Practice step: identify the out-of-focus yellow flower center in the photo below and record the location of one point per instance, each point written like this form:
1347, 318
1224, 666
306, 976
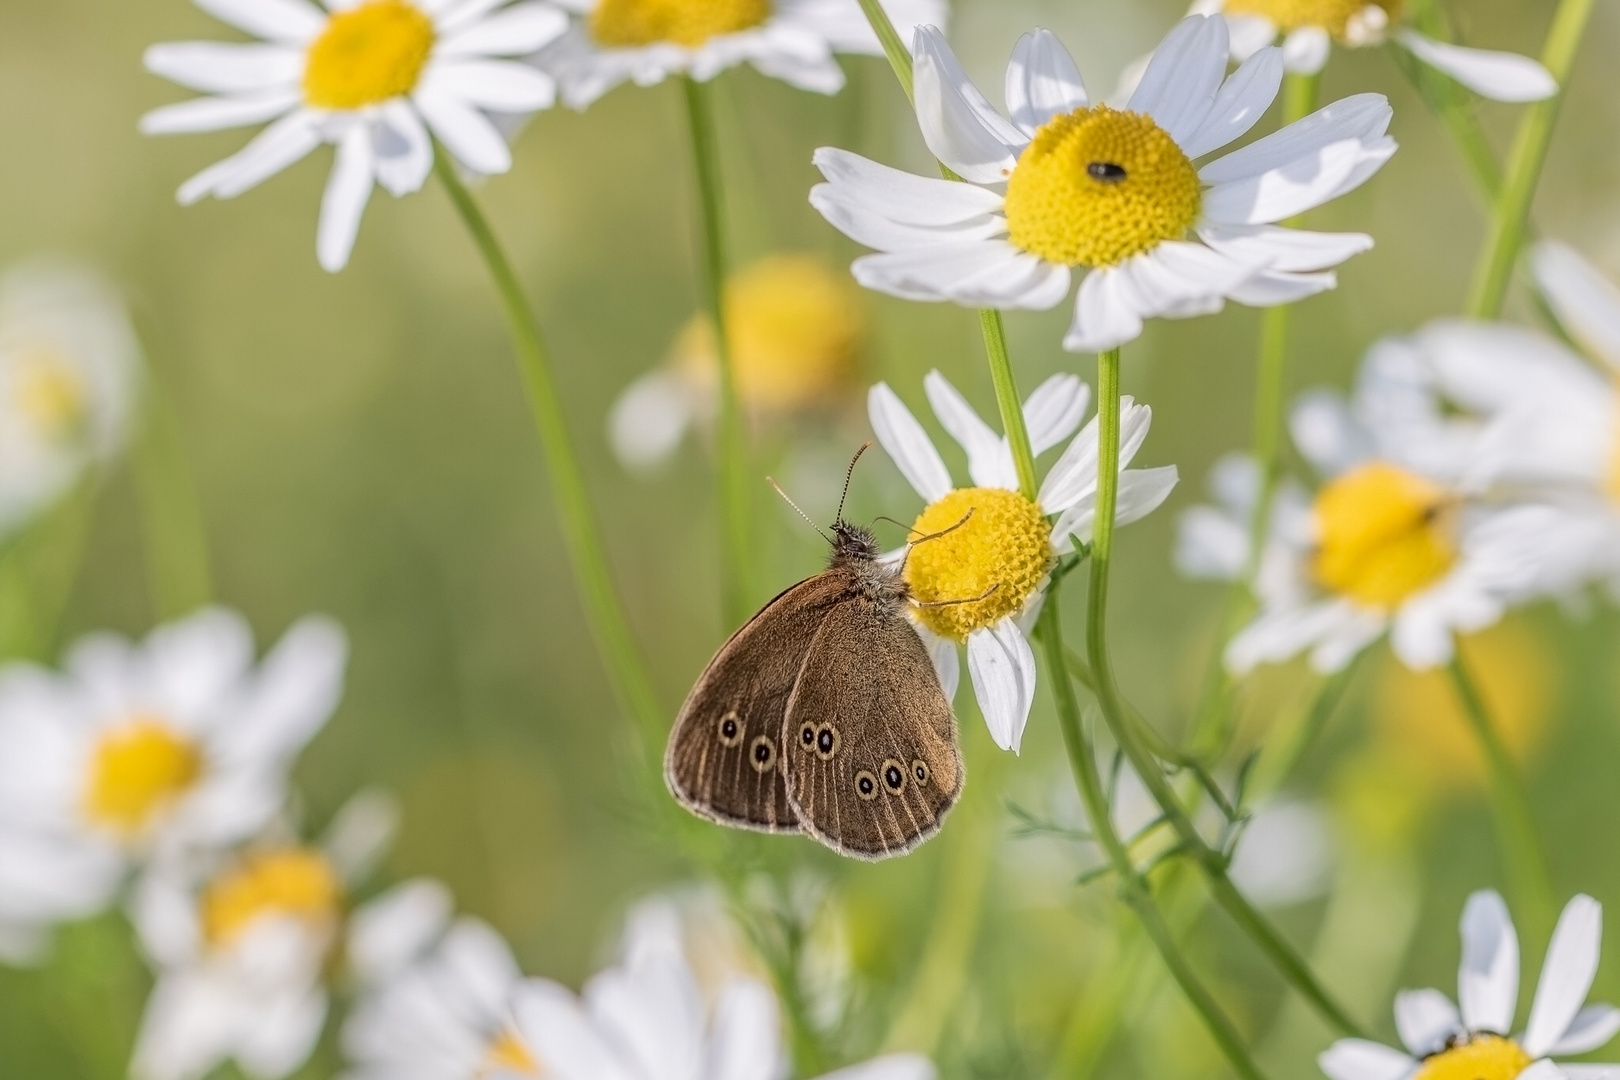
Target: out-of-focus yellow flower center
1096, 186
295, 882
136, 770
631, 24
507, 1054
48, 391
795, 331
1334, 16
1483, 1057
1007, 543
367, 55
1383, 535
1614, 454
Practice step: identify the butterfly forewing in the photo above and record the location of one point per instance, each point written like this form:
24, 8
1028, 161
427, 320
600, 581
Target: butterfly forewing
724, 760
871, 757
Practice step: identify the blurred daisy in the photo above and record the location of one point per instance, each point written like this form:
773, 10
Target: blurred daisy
1473, 1043
988, 573
796, 331
1111, 192
135, 751
1212, 539
1309, 28
438, 1003
647, 1018
242, 945
68, 373
646, 41
372, 77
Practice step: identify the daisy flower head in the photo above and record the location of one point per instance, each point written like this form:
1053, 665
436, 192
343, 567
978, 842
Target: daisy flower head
135, 751
796, 330
69, 370
1065, 186
981, 583
242, 942
647, 41
1309, 29
378, 79
1471, 1040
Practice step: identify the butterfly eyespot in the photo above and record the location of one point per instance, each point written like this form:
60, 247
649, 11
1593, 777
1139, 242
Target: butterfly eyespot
762, 753
919, 769
827, 742
807, 735
894, 776
866, 785
1107, 171
730, 729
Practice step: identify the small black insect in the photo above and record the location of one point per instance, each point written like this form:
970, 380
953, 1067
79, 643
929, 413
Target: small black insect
1107, 171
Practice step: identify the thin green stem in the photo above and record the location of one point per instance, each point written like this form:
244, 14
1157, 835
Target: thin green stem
176, 540
586, 553
1505, 235
736, 524
1210, 862
1012, 410
1449, 101
893, 47
1523, 862
1133, 888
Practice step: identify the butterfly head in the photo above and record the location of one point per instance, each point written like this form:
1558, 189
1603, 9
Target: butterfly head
853, 543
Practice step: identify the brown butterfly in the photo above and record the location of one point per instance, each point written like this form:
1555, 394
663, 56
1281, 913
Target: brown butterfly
824, 715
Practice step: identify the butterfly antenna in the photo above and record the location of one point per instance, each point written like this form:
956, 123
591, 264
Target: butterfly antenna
796, 510
930, 536
849, 475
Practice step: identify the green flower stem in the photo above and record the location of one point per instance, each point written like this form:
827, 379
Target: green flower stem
736, 524
1523, 863
1510, 218
603, 611
895, 49
1210, 862
1133, 888
1012, 410
176, 540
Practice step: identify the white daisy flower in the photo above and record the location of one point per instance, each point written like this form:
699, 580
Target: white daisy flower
1392, 541
1444, 1042
1212, 539
372, 77
135, 751
646, 41
1003, 553
648, 1019
1066, 185
69, 368
242, 944
1309, 29
437, 1006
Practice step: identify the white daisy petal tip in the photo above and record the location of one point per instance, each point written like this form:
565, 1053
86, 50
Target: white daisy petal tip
1500, 76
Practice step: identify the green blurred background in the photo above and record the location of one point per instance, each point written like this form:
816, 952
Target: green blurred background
361, 448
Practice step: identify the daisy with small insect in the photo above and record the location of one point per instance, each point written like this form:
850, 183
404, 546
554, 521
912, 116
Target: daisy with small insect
980, 583
1066, 186
381, 80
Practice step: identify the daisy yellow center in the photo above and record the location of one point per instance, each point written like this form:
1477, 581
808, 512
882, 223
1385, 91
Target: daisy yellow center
1614, 455
295, 882
1006, 543
795, 331
630, 24
49, 392
1096, 186
1334, 16
1483, 1057
1384, 535
507, 1054
367, 55
136, 770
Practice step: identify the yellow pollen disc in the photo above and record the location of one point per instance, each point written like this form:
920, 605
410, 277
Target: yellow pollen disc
1331, 15
295, 882
1096, 186
795, 331
507, 1054
136, 770
1483, 1057
1383, 535
631, 24
1614, 454
367, 55
1006, 543
48, 391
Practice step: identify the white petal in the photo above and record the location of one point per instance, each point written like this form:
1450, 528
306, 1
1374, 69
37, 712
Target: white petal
502, 85
907, 444
1179, 86
359, 835
347, 191
1330, 438
744, 1036
551, 1021
1054, 411
1250, 34
990, 462
1306, 50
1210, 545
291, 21
649, 419
452, 15
958, 124
1270, 288
1140, 492
1576, 1070
1003, 670
905, 197
283, 1033
1242, 101
1566, 975
1360, 116
1178, 279
1592, 1027
1106, 313
403, 148
1279, 248
397, 927
1359, 1059
893, 1067
1586, 303
466, 132
848, 209
988, 273
1425, 1020
1075, 473
1488, 978
515, 31
1551, 1070
224, 68
219, 113
1294, 188
1500, 76
947, 660
287, 140
1042, 81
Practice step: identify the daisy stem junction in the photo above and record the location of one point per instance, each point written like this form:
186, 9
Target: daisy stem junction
586, 553
735, 524
1511, 213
